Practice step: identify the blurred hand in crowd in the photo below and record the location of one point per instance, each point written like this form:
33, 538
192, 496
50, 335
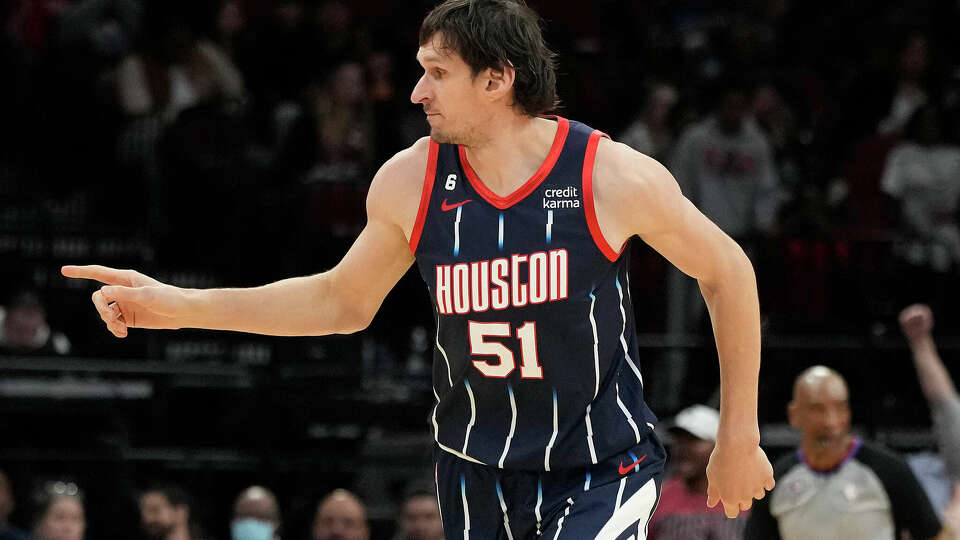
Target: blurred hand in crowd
916, 321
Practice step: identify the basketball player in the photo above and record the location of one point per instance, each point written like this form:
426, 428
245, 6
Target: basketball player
518, 224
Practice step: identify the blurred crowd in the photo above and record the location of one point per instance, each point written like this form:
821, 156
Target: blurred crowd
168, 512
822, 135
836, 483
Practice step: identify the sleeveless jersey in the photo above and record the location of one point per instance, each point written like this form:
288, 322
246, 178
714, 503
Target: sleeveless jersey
535, 364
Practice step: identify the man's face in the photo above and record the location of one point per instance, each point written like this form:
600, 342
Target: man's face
821, 411
452, 97
340, 518
421, 519
158, 516
689, 455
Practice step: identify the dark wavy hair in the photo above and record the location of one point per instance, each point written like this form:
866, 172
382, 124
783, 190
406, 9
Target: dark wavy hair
496, 34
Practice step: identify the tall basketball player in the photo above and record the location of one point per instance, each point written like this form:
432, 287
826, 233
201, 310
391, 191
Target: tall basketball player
518, 224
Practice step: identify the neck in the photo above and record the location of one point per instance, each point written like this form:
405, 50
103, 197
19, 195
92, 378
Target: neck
825, 458
507, 158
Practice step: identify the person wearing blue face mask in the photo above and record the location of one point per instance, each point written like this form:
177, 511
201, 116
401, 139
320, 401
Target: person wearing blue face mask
256, 515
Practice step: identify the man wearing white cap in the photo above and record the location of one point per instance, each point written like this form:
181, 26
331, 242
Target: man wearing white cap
683, 513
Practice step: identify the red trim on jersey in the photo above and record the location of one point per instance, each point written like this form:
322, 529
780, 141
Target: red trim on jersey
563, 127
588, 207
428, 180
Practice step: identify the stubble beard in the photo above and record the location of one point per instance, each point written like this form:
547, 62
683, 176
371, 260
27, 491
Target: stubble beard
467, 135
445, 136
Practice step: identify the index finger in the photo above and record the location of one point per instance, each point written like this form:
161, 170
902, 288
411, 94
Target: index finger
103, 274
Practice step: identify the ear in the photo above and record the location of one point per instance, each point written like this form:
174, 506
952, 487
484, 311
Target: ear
793, 414
498, 83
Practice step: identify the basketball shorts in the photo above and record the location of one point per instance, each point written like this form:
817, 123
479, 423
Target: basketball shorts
612, 500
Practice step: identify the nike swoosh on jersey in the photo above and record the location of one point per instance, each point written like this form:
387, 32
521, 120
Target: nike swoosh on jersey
625, 470
447, 207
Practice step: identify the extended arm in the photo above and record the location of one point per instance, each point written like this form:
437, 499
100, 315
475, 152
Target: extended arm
644, 199
916, 321
341, 300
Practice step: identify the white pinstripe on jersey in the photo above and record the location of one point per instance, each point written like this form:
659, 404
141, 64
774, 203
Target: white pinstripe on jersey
513, 425
560, 521
593, 451
444, 353
503, 508
553, 438
456, 232
466, 508
626, 412
436, 438
500, 231
549, 226
596, 378
536, 509
623, 330
473, 415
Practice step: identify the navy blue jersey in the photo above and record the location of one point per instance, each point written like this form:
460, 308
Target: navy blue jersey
535, 365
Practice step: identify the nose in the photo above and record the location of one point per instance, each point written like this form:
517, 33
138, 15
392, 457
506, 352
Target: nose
834, 419
420, 91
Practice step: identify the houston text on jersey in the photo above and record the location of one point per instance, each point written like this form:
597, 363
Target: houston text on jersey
501, 283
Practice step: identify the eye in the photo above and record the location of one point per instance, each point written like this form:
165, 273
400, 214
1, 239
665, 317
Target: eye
438, 73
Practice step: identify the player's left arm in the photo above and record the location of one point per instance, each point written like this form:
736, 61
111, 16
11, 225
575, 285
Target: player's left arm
636, 195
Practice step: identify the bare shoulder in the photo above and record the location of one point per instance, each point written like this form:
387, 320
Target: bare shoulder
634, 193
395, 191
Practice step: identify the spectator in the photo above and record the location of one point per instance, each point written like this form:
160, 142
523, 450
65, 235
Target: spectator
806, 212
256, 515
175, 69
909, 92
165, 514
24, 328
653, 132
341, 516
7, 504
60, 513
229, 26
332, 140
725, 166
420, 517
836, 486
923, 173
682, 513
916, 321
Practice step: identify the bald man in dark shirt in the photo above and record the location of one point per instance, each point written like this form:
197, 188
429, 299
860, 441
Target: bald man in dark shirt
836, 486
